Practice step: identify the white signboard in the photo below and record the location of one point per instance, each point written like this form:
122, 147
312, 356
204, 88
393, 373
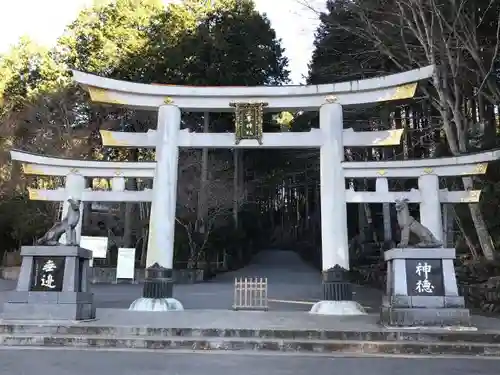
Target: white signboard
98, 246
125, 266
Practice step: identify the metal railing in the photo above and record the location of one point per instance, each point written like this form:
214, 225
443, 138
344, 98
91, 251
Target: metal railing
250, 293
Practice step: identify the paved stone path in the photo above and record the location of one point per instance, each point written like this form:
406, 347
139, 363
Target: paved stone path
24, 362
261, 320
208, 304
289, 279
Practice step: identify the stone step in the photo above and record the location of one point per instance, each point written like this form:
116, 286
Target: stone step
253, 344
428, 335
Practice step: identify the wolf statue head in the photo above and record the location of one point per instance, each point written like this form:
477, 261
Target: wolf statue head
401, 204
74, 203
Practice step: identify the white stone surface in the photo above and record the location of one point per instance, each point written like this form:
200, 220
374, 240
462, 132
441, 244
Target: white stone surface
156, 304
413, 196
310, 139
452, 166
431, 215
337, 308
117, 184
335, 248
49, 166
73, 188
162, 218
58, 195
420, 253
218, 99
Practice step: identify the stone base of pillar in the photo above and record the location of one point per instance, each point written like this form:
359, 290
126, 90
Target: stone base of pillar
156, 304
337, 295
337, 308
157, 291
336, 285
422, 289
158, 282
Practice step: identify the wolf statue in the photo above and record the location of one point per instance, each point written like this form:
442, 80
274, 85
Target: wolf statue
408, 224
66, 225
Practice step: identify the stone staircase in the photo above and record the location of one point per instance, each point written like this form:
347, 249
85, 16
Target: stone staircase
306, 341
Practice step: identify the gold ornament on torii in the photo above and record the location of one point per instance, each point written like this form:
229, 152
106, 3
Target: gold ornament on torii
249, 118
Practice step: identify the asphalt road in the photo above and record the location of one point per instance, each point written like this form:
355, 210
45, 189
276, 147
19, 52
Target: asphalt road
64, 362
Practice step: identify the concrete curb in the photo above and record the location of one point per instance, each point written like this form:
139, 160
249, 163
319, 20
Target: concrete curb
255, 345
382, 341
435, 335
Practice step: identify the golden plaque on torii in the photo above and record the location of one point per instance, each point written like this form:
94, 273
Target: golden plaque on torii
248, 121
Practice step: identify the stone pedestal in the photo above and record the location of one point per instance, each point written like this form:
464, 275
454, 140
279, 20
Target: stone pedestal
337, 295
422, 289
158, 282
157, 293
52, 285
336, 285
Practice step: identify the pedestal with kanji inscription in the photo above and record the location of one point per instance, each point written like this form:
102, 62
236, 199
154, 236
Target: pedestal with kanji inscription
422, 289
52, 285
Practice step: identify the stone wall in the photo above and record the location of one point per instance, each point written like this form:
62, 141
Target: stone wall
107, 275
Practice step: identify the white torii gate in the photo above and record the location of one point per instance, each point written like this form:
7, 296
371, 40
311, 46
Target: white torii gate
331, 138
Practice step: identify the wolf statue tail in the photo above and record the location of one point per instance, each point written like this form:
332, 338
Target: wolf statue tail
434, 239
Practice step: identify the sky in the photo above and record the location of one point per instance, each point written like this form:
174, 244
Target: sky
44, 21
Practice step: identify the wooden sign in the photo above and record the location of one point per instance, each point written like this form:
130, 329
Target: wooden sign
98, 246
125, 266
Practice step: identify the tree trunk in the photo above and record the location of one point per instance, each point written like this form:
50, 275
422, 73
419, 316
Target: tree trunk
130, 209
448, 223
236, 185
467, 239
385, 117
145, 213
202, 196
306, 200
483, 234
456, 136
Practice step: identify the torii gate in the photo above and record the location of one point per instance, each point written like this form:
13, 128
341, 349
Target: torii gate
250, 102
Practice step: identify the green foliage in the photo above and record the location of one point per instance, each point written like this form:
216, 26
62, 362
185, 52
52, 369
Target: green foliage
22, 220
219, 42
105, 36
234, 46
27, 71
341, 55
365, 38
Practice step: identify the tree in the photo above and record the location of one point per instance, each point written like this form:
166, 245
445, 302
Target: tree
459, 37
174, 45
37, 114
234, 46
339, 54
27, 70
143, 41
219, 203
28, 118
108, 36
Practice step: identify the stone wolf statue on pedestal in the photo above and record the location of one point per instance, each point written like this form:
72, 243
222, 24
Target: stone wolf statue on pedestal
66, 225
408, 224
